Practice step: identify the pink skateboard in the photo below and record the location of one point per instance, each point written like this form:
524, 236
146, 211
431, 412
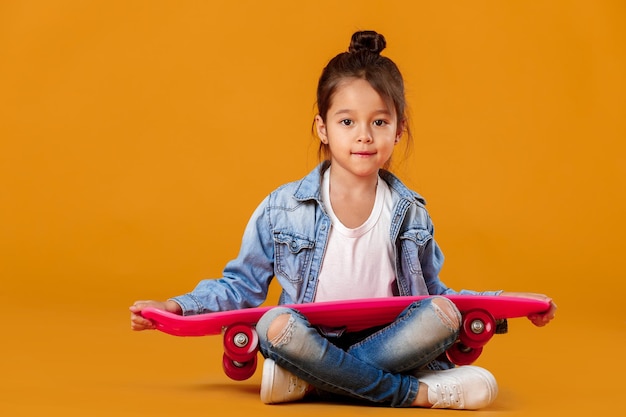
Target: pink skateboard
481, 315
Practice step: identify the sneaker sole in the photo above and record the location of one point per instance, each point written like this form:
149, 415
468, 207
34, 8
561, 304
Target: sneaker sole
267, 381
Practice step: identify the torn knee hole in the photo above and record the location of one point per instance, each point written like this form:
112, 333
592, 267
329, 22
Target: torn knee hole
280, 330
447, 311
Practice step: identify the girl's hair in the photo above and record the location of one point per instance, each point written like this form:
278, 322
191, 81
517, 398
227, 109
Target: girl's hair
363, 60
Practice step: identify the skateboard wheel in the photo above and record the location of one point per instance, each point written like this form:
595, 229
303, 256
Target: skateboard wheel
241, 342
459, 354
478, 327
238, 371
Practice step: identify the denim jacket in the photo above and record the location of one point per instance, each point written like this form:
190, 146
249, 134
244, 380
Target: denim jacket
286, 238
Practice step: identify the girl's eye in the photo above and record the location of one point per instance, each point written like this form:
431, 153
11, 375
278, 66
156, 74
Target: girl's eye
346, 122
380, 123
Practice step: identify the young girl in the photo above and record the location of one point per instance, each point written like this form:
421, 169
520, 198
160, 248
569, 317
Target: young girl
349, 229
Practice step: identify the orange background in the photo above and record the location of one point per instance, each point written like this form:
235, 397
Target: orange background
137, 137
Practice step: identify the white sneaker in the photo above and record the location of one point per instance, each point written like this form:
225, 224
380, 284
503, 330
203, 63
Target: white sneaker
465, 387
280, 386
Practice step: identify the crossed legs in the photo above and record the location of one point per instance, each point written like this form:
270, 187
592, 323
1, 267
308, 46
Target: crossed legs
373, 369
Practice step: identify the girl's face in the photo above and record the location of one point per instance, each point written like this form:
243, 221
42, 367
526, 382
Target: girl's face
360, 129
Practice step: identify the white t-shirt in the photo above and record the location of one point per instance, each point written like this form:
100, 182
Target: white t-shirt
358, 263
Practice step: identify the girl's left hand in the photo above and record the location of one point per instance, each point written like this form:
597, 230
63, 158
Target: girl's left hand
538, 319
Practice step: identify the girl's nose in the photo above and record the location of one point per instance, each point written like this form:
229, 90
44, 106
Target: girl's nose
365, 135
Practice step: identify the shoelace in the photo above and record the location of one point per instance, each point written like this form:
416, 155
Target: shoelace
448, 395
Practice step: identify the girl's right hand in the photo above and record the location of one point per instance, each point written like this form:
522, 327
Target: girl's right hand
138, 322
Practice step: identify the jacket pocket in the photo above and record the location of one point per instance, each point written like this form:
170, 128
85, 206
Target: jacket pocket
412, 243
293, 255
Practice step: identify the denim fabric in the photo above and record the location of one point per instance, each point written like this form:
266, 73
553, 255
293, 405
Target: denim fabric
376, 369
286, 238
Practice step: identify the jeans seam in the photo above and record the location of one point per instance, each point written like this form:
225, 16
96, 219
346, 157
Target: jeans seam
391, 325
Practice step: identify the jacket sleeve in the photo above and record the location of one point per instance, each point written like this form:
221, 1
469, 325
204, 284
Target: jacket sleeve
245, 279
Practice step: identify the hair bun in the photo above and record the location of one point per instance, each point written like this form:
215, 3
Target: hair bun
367, 40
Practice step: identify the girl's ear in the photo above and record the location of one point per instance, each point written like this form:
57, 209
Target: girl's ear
400, 131
320, 126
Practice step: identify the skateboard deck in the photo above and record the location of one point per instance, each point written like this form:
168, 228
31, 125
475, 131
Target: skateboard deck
481, 314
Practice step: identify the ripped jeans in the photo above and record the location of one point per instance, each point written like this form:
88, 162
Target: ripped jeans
377, 368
